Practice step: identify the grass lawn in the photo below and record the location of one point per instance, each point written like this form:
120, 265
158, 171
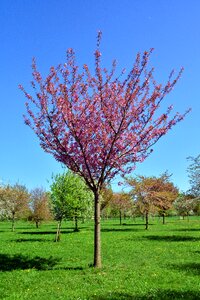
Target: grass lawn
161, 263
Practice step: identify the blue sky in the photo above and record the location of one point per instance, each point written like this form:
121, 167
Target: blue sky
46, 28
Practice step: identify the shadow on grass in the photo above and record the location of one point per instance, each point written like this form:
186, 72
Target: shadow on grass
187, 229
44, 232
131, 224
172, 238
121, 229
193, 268
162, 295
22, 262
30, 240
73, 268
68, 228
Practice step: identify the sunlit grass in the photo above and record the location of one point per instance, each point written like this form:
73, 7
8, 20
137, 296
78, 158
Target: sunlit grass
161, 263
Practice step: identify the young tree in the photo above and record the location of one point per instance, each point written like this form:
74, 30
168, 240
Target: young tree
184, 204
70, 198
152, 193
142, 189
14, 202
122, 202
194, 175
99, 125
40, 206
195, 205
164, 193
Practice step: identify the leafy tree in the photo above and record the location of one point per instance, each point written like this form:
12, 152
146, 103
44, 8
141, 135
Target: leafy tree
142, 188
14, 202
184, 204
70, 198
164, 194
196, 206
194, 175
40, 206
99, 125
152, 193
122, 202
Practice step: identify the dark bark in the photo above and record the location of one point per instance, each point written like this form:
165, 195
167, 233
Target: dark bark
97, 231
120, 217
37, 224
13, 221
76, 223
57, 238
147, 220
163, 217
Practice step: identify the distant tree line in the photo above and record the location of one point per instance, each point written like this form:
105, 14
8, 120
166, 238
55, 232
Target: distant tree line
70, 198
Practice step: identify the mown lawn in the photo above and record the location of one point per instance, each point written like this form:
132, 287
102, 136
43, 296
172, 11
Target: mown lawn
161, 263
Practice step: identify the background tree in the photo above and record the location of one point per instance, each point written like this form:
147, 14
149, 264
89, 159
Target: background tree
122, 203
142, 190
70, 198
153, 193
194, 175
184, 204
195, 204
14, 202
100, 124
164, 193
40, 206
106, 198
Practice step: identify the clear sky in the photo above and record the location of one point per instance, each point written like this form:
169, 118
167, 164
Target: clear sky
46, 28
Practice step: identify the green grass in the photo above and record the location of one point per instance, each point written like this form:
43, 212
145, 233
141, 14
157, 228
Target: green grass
161, 263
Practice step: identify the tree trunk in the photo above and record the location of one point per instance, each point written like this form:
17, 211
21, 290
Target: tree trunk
76, 223
163, 215
37, 224
120, 217
57, 238
13, 221
147, 220
97, 231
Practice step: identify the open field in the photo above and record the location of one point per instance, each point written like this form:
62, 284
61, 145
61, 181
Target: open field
161, 263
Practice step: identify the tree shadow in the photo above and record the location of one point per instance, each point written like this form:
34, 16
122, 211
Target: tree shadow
131, 224
22, 262
172, 238
29, 240
187, 267
121, 229
44, 232
187, 229
160, 295
73, 268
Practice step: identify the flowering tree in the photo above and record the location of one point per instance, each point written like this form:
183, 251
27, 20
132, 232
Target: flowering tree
184, 204
121, 202
99, 125
194, 175
40, 206
14, 202
164, 193
153, 193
